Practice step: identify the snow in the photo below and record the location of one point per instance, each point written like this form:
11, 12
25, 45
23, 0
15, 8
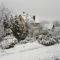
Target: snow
48, 26
23, 47
31, 51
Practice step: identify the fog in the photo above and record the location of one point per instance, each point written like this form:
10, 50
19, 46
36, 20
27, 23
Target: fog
48, 9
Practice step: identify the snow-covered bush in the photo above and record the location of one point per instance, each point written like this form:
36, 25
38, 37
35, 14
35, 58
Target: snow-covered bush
47, 40
49, 37
8, 42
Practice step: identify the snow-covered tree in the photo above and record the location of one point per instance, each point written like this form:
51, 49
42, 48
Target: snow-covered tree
5, 17
19, 28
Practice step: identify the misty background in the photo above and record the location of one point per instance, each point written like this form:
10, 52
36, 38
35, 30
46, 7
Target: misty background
46, 9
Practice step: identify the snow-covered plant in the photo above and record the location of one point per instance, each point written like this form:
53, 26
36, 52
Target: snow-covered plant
4, 18
19, 28
49, 38
8, 42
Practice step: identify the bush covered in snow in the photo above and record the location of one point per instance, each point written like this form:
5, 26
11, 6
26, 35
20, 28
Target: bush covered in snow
8, 42
48, 39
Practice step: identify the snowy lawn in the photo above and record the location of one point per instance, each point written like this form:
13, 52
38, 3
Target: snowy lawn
31, 51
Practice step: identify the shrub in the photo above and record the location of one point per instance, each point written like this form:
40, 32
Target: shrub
8, 42
47, 40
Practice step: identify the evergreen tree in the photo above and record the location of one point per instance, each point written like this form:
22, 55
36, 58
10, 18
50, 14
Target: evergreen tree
19, 28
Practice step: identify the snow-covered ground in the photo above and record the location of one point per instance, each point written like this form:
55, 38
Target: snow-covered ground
31, 51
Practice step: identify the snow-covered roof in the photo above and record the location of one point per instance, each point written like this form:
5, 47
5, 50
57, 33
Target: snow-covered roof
48, 26
37, 19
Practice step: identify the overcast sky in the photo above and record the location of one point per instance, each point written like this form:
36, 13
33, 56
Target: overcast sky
49, 9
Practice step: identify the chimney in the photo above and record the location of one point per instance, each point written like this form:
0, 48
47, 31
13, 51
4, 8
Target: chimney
34, 18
